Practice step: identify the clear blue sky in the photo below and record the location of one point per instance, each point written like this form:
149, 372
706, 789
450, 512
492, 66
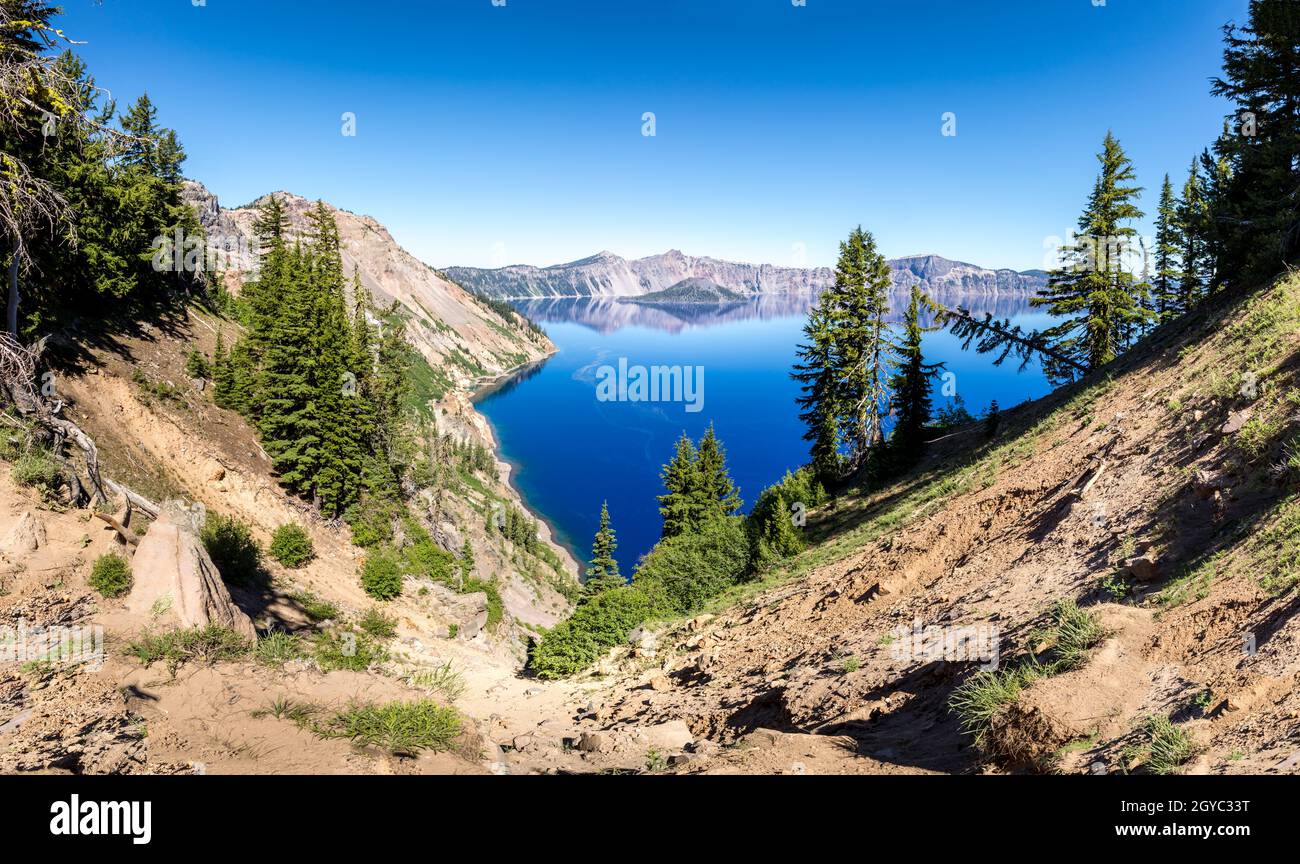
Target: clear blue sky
777, 125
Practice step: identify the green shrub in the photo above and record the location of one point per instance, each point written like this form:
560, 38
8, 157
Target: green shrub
692, 568
233, 549
111, 575
196, 365
315, 608
401, 728
210, 644
773, 535
496, 607
424, 560
377, 624
352, 651
381, 577
371, 523
443, 679
596, 626
37, 470
291, 545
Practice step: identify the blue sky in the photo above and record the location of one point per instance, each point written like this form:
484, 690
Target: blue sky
490, 134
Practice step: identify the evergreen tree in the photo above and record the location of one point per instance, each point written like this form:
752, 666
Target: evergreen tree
1168, 248
602, 574
912, 384
1257, 205
776, 537
677, 505
863, 348
223, 381
715, 494
466, 563
819, 405
1193, 227
1098, 298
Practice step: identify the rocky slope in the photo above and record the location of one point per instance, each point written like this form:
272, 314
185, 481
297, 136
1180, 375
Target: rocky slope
1163, 497
461, 337
608, 275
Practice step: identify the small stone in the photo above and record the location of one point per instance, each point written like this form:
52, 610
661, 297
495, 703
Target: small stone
660, 684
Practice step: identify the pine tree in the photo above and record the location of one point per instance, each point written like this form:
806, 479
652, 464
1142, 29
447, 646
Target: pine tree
1258, 210
863, 348
466, 563
1100, 300
1192, 213
602, 574
223, 381
677, 506
777, 537
715, 493
819, 405
1168, 249
912, 384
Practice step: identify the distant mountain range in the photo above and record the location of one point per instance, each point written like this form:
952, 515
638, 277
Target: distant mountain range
609, 275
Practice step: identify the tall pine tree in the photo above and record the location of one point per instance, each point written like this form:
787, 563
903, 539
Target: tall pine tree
912, 384
1168, 249
1099, 299
602, 574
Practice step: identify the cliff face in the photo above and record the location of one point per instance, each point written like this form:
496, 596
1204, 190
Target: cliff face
608, 275
457, 333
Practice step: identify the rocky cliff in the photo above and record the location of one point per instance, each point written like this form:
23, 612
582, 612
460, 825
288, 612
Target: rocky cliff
608, 275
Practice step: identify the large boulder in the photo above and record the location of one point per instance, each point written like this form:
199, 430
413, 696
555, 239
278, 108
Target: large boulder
27, 536
175, 580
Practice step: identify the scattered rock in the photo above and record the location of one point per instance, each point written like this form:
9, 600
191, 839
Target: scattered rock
218, 475
172, 570
1236, 420
696, 624
673, 735
1143, 568
595, 742
25, 537
660, 684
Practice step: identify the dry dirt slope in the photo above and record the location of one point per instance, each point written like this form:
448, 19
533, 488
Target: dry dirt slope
1182, 461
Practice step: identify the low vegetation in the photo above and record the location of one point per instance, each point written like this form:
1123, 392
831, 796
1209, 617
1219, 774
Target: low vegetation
199, 645
111, 575
399, 728
231, 545
291, 546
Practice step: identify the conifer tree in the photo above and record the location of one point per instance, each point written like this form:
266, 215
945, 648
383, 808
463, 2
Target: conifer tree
1256, 207
602, 574
223, 382
1193, 227
677, 505
1098, 298
863, 347
777, 537
715, 492
912, 384
819, 405
1168, 248
466, 563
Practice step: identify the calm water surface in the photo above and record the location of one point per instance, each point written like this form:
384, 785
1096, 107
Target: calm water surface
571, 451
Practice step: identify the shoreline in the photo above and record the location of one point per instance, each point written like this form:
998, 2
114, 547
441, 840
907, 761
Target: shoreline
546, 530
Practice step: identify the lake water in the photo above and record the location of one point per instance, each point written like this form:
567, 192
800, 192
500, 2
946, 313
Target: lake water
572, 449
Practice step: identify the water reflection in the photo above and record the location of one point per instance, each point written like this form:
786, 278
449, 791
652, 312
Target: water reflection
607, 315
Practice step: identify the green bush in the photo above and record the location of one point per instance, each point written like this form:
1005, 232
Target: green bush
353, 651
381, 577
425, 560
371, 523
496, 607
378, 624
233, 549
37, 470
315, 608
596, 626
292, 546
693, 568
773, 536
111, 575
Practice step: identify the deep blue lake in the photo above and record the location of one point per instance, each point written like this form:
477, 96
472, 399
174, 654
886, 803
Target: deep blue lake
572, 450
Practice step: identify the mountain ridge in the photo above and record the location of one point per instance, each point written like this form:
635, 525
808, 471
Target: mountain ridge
606, 274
